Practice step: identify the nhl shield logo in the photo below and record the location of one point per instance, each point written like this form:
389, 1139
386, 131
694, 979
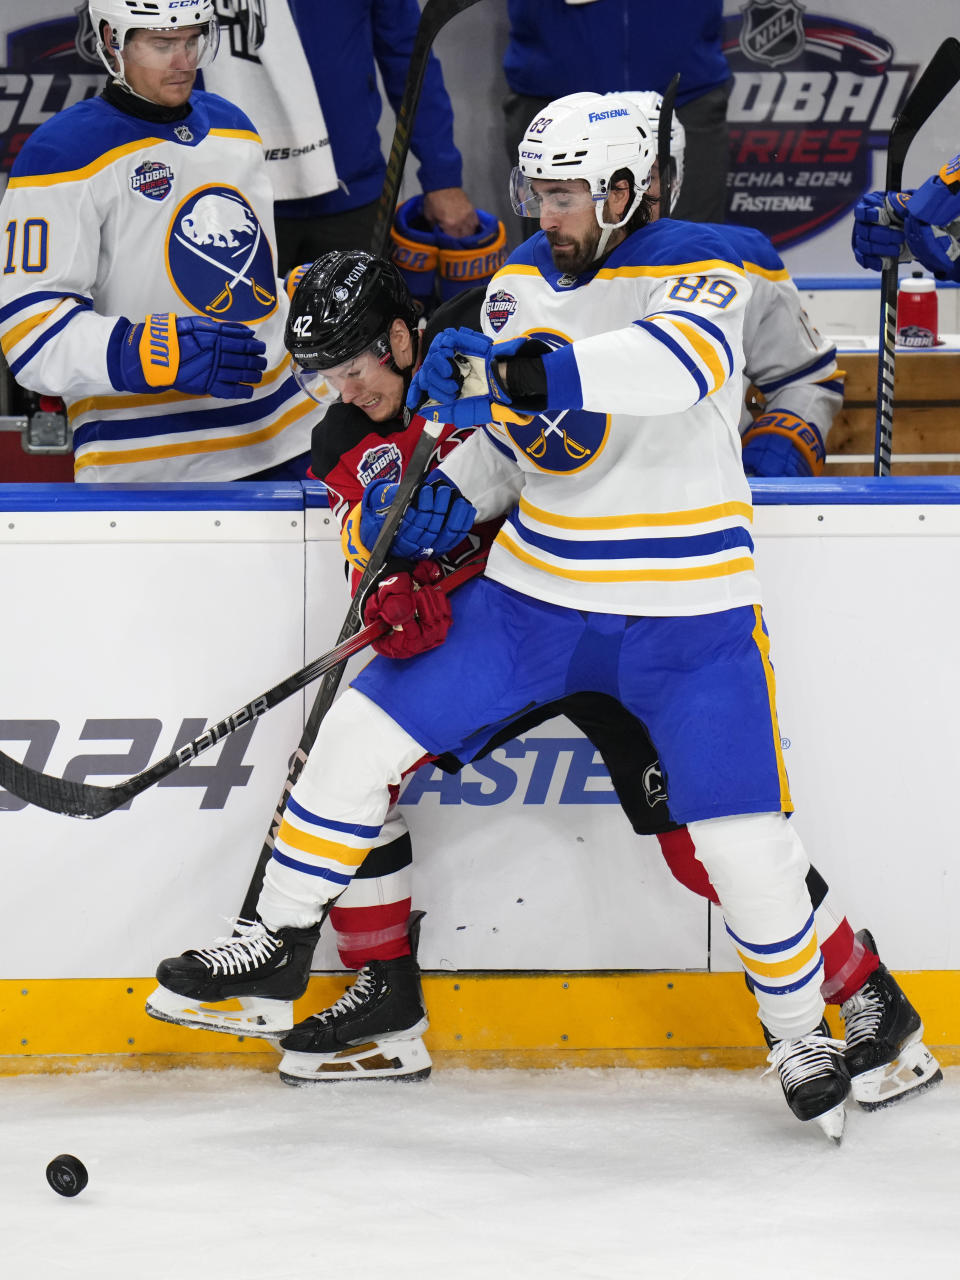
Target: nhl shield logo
499, 307
771, 31
219, 260
183, 133
152, 179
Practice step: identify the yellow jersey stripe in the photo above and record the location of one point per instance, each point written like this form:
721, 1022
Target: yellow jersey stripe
193, 446
101, 404
781, 968
701, 345
111, 157
762, 641
318, 847
613, 273
754, 269
642, 520
20, 331
692, 573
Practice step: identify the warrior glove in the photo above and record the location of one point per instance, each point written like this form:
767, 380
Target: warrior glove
191, 354
878, 236
460, 374
436, 520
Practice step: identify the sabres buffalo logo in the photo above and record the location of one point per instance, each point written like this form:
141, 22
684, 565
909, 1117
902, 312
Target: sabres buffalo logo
561, 441
219, 258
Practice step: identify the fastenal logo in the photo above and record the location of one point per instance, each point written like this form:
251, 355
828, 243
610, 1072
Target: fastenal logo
812, 98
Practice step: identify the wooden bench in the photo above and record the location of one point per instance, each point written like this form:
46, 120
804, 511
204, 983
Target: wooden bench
926, 415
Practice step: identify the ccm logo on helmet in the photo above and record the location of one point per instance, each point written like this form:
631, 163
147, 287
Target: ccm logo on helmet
594, 116
531, 155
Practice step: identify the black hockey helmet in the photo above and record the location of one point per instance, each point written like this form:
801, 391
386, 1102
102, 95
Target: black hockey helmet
344, 303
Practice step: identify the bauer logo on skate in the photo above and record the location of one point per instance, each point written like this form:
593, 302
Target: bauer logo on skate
218, 257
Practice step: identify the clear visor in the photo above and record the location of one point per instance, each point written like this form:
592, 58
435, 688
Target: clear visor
351, 373
162, 49
531, 197
313, 382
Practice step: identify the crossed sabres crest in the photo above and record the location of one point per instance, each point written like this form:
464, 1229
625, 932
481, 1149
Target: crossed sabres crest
220, 261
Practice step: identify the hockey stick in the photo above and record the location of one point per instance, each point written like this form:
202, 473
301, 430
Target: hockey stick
663, 144
84, 800
435, 16
940, 75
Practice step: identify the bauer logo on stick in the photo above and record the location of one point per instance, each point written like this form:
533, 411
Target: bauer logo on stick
219, 258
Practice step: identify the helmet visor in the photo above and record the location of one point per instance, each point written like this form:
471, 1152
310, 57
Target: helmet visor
313, 382
358, 370
531, 197
160, 49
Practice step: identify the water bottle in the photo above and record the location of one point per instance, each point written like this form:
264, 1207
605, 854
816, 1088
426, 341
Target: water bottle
917, 312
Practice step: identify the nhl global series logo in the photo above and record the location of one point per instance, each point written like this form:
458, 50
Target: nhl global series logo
152, 179
499, 307
812, 98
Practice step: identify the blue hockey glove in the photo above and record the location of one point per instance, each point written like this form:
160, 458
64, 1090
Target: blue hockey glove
200, 357
933, 246
466, 401
438, 518
781, 444
878, 229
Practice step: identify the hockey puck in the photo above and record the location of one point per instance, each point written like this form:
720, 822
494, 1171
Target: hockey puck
67, 1175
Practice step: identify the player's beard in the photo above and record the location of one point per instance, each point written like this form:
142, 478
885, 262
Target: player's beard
577, 255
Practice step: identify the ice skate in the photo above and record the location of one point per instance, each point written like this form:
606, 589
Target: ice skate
885, 1053
371, 1033
814, 1077
244, 985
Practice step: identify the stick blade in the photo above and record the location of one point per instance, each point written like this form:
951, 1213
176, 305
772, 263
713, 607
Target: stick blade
57, 795
939, 76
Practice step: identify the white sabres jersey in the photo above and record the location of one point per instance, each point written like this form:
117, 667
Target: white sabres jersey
110, 218
787, 360
629, 496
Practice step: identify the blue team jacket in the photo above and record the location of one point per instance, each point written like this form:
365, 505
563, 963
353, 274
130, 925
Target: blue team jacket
558, 48
345, 41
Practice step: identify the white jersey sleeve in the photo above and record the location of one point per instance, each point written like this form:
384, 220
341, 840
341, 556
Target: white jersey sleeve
786, 359
486, 474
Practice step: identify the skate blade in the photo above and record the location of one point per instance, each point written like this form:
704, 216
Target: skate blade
832, 1123
401, 1060
914, 1071
249, 1016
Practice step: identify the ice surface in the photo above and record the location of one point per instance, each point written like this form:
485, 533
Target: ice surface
207, 1175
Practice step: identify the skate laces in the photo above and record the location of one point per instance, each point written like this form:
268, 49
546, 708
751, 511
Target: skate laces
253, 945
862, 1014
804, 1059
353, 999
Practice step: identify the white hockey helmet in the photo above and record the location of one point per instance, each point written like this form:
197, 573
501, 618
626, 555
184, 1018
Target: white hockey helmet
650, 103
125, 16
588, 136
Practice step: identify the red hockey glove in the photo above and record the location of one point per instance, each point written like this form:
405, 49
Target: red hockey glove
415, 609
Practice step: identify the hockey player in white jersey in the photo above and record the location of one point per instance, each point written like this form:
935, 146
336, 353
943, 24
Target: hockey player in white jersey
140, 282
921, 225
609, 439
787, 361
